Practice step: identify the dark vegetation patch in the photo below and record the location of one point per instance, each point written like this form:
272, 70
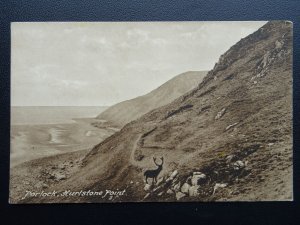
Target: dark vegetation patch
149, 132
211, 89
190, 94
181, 109
229, 77
189, 149
152, 146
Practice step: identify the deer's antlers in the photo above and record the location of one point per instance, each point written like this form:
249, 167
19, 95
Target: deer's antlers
154, 159
162, 161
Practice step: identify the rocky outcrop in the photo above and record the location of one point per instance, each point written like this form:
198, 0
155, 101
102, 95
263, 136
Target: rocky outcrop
220, 114
228, 170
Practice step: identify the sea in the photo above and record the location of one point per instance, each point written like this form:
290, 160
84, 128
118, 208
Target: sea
40, 131
31, 115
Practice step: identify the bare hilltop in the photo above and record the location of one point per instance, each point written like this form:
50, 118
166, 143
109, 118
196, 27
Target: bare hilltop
126, 111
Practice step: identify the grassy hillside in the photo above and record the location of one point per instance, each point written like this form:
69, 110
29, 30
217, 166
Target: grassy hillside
124, 112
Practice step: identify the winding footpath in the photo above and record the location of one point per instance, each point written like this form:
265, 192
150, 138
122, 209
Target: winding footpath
134, 147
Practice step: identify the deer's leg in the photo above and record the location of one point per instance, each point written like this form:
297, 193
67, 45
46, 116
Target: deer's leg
146, 180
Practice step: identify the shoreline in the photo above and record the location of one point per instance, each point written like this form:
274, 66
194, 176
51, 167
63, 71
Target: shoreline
35, 141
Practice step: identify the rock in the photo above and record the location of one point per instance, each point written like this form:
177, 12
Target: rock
59, 177
238, 165
197, 173
230, 158
266, 59
175, 180
194, 191
188, 180
185, 188
157, 188
180, 195
231, 125
198, 178
169, 191
146, 196
168, 180
278, 44
160, 193
147, 187
174, 174
131, 182
220, 114
219, 185
177, 186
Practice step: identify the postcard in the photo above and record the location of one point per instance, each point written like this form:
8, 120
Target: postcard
151, 111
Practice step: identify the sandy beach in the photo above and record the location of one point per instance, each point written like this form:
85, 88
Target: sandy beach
30, 142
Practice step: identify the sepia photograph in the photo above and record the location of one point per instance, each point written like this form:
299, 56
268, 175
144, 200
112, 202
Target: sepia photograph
151, 112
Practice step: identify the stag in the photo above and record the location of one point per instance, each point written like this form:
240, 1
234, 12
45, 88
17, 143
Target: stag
154, 173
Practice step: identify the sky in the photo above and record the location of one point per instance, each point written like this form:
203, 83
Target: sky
103, 63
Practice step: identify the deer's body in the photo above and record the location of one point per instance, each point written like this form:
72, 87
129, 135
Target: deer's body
154, 173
